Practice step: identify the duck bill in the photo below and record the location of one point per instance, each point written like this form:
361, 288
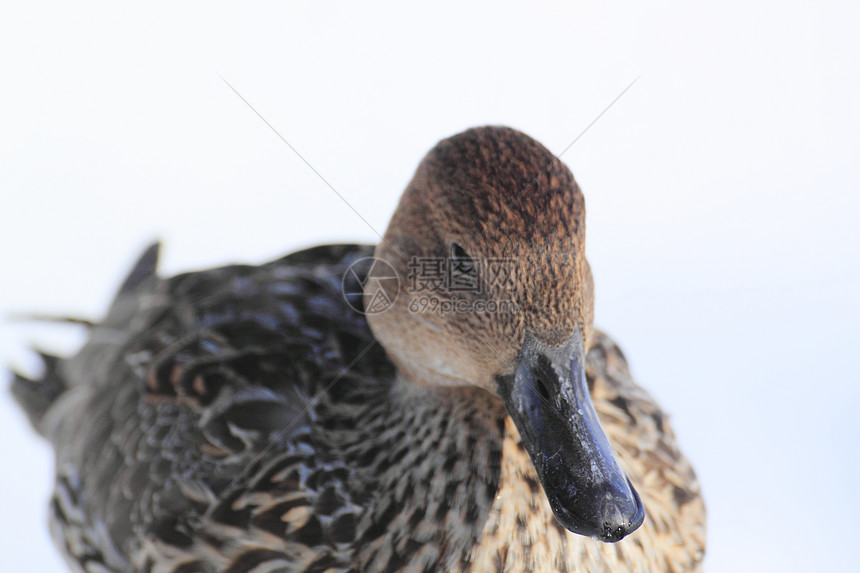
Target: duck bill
547, 397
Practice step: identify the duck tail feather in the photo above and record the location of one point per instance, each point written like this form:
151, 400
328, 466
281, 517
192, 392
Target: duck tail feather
35, 396
36, 317
145, 267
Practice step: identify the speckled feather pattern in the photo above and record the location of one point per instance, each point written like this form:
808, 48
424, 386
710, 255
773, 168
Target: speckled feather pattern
245, 419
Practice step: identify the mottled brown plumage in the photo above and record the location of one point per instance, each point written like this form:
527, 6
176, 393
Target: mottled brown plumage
250, 419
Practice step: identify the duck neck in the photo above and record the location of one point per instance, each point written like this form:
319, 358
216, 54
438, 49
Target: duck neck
430, 458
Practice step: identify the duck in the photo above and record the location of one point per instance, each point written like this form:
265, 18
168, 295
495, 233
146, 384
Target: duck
438, 402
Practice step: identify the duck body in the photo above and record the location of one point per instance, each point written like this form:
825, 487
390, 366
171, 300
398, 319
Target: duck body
248, 419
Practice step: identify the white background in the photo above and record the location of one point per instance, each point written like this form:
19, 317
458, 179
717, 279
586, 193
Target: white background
722, 194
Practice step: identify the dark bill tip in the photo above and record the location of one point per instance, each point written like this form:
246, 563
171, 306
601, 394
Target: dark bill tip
617, 516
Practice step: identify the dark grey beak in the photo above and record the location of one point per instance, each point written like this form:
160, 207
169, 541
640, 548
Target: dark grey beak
547, 397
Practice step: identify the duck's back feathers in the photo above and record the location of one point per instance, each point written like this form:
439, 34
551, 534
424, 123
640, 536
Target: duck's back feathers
189, 387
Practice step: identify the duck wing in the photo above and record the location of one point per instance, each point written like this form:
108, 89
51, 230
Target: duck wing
186, 392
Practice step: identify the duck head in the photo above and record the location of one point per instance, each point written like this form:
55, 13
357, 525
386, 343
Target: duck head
488, 241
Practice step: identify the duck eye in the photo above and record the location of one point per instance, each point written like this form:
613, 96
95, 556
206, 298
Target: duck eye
464, 274
461, 262
458, 253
